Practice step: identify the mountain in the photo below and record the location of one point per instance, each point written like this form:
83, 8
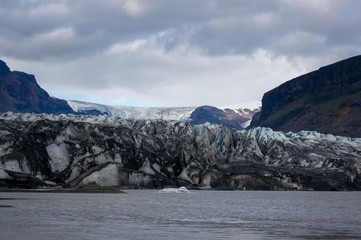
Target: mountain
19, 92
327, 100
74, 151
237, 117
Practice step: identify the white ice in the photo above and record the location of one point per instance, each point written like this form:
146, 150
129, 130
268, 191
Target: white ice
3, 174
174, 190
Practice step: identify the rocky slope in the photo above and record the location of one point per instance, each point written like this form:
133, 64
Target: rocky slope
19, 92
327, 100
75, 151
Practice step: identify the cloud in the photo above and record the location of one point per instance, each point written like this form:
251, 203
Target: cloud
134, 8
298, 41
182, 76
174, 53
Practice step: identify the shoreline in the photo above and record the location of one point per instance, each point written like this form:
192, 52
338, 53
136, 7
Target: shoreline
88, 189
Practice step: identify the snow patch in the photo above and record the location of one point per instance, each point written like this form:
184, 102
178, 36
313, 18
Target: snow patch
251, 105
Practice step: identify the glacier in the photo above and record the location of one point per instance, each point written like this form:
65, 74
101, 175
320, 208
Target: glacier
165, 113
70, 151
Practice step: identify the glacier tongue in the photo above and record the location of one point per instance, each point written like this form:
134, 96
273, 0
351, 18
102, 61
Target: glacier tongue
77, 150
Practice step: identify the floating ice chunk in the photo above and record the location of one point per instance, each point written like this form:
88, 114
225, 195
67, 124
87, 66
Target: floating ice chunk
174, 190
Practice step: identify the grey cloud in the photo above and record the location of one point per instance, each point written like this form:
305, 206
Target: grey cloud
151, 51
223, 26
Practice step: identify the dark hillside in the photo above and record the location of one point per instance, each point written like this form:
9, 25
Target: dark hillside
19, 92
327, 100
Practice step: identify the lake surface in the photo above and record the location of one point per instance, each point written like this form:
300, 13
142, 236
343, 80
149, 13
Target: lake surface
148, 214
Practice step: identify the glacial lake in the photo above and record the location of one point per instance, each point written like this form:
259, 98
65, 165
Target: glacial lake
148, 214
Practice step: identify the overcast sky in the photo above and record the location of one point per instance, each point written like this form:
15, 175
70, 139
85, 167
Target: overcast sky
174, 52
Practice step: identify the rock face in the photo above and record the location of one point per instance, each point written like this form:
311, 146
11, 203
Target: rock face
19, 92
76, 151
327, 100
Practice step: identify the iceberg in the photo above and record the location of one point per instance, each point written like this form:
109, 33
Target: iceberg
174, 190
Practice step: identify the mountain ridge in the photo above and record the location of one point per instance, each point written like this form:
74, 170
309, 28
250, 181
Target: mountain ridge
327, 100
20, 92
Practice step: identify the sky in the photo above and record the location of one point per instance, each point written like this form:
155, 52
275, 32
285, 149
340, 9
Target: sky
174, 53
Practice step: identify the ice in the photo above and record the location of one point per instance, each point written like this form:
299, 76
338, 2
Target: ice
12, 165
3, 174
165, 113
174, 190
137, 179
75, 172
59, 156
4, 149
108, 176
50, 183
262, 142
146, 168
246, 124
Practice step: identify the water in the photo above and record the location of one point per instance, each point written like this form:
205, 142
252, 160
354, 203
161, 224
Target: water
147, 214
